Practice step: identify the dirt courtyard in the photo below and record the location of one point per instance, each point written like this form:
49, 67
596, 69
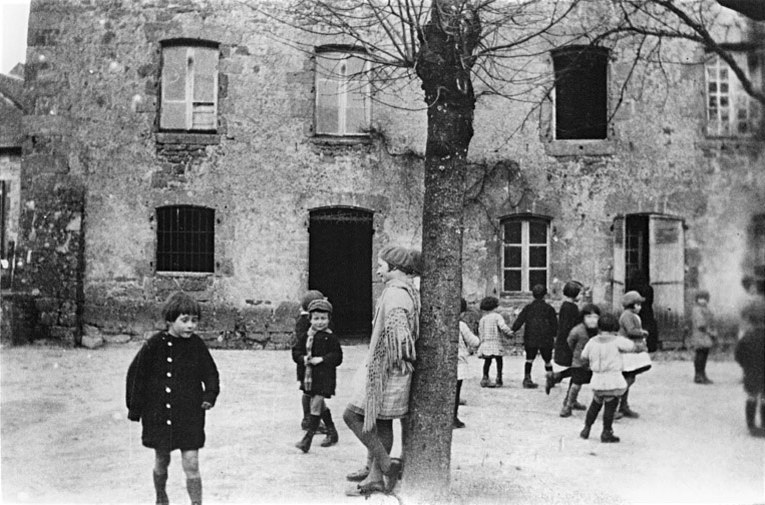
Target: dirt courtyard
65, 438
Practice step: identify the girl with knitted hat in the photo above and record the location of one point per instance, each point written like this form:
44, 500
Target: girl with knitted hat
383, 381
630, 326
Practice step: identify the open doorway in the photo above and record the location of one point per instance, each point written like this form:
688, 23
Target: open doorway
340, 266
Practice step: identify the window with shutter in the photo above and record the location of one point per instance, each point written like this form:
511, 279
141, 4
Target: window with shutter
342, 94
525, 252
189, 88
581, 92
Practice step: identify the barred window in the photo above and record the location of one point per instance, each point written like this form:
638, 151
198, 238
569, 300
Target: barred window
731, 112
185, 239
581, 92
189, 98
342, 93
525, 252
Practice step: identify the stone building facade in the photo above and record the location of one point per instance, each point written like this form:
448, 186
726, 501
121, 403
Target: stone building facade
180, 145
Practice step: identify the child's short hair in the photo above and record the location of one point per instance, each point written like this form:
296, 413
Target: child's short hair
463, 305
489, 303
608, 322
180, 303
320, 306
309, 296
538, 291
590, 308
572, 289
702, 293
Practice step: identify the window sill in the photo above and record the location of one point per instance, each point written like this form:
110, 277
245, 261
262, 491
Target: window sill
581, 147
730, 143
165, 273
187, 138
341, 140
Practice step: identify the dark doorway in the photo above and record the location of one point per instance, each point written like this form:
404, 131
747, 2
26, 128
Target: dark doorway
340, 266
637, 245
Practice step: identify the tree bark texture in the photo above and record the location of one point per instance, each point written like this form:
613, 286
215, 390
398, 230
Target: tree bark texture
445, 79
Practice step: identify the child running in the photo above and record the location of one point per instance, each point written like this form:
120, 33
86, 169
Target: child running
318, 355
489, 328
539, 334
602, 354
171, 382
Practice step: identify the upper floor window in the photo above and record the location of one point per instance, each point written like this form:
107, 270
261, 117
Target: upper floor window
731, 111
581, 92
525, 252
189, 95
342, 93
185, 239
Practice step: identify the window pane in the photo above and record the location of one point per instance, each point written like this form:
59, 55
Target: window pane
174, 73
356, 108
185, 239
512, 257
537, 277
581, 94
205, 68
512, 280
538, 257
537, 232
327, 106
513, 232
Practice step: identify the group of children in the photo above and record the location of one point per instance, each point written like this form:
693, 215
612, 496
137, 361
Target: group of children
173, 379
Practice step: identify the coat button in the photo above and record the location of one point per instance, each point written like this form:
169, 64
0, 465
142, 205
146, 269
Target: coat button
167, 405
169, 374
169, 344
169, 360
167, 390
169, 422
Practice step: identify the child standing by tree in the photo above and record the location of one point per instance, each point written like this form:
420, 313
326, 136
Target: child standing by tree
468, 342
318, 356
489, 328
568, 317
630, 326
302, 324
171, 382
539, 334
602, 354
750, 354
702, 336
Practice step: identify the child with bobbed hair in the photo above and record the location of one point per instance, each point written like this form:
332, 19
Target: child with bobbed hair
568, 317
491, 348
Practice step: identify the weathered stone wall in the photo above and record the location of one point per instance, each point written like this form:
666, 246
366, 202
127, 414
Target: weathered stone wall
92, 81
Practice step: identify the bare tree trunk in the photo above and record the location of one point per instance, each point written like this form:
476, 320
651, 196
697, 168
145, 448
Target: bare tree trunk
449, 95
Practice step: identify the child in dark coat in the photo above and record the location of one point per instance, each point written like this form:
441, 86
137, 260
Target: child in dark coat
171, 382
317, 356
302, 324
539, 334
750, 354
568, 317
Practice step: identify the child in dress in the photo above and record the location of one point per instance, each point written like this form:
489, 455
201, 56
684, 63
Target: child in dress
630, 326
541, 326
319, 354
603, 355
568, 317
750, 354
302, 324
171, 382
702, 336
577, 339
489, 328
467, 344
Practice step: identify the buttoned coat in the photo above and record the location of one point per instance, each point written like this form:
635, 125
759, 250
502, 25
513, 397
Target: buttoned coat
541, 324
324, 375
167, 382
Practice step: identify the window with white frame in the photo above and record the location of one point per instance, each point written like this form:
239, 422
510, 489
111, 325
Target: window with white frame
189, 91
525, 252
342, 93
731, 112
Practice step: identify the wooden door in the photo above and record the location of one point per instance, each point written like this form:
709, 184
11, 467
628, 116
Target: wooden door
667, 274
618, 272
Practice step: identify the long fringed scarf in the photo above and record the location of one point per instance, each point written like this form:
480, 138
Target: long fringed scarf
308, 378
394, 331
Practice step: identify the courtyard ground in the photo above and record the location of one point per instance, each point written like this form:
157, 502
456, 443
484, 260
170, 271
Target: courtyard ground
65, 438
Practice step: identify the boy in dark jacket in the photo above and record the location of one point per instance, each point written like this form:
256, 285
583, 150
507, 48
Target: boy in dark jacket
318, 355
750, 354
539, 334
302, 324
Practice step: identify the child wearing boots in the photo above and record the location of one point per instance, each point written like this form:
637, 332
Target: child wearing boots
750, 354
171, 382
568, 317
580, 375
603, 355
302, 324
319, 354
702, 336
489, 328
541, 326
630, 326
467, 344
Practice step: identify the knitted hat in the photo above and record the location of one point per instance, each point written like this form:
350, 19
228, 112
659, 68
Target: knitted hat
320, 306
310, 296
416, 258
631, 297
400, 258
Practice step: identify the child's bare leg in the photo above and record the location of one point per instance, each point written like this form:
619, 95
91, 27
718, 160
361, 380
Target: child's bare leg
190, 460
161, 462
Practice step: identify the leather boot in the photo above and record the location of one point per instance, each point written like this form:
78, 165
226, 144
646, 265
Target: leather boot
608, 422
575, 388
305, 443
159, 486
589, 420
499, 380
332, 437
194, 487
624, 407
528, 383
566, 410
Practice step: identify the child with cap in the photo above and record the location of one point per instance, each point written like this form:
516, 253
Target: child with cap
541, 326
302, 324
750, 354
489, 328
631, 326
171, 382
702, 336
603, 355
568, 317
321, 354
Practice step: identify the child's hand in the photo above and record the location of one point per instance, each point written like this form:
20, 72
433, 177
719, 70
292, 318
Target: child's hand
645, 332
206, 405
316, 360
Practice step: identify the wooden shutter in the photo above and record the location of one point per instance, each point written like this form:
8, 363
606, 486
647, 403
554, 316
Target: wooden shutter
667, 271
357, 92
175, 81
618, 274
205, 88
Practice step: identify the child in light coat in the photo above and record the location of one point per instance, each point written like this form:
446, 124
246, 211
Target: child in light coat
702, 336
467, 344
490, 327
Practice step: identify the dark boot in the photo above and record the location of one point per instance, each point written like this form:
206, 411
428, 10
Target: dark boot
575, 388
485, 383
332, 437
566, 410
194, 487
305, 444
608, 422
589, 420
751, 410
305, 402
160, 482
549, 381
624, 406
499, 380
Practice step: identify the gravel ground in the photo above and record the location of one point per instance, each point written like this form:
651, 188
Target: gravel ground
65, 438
